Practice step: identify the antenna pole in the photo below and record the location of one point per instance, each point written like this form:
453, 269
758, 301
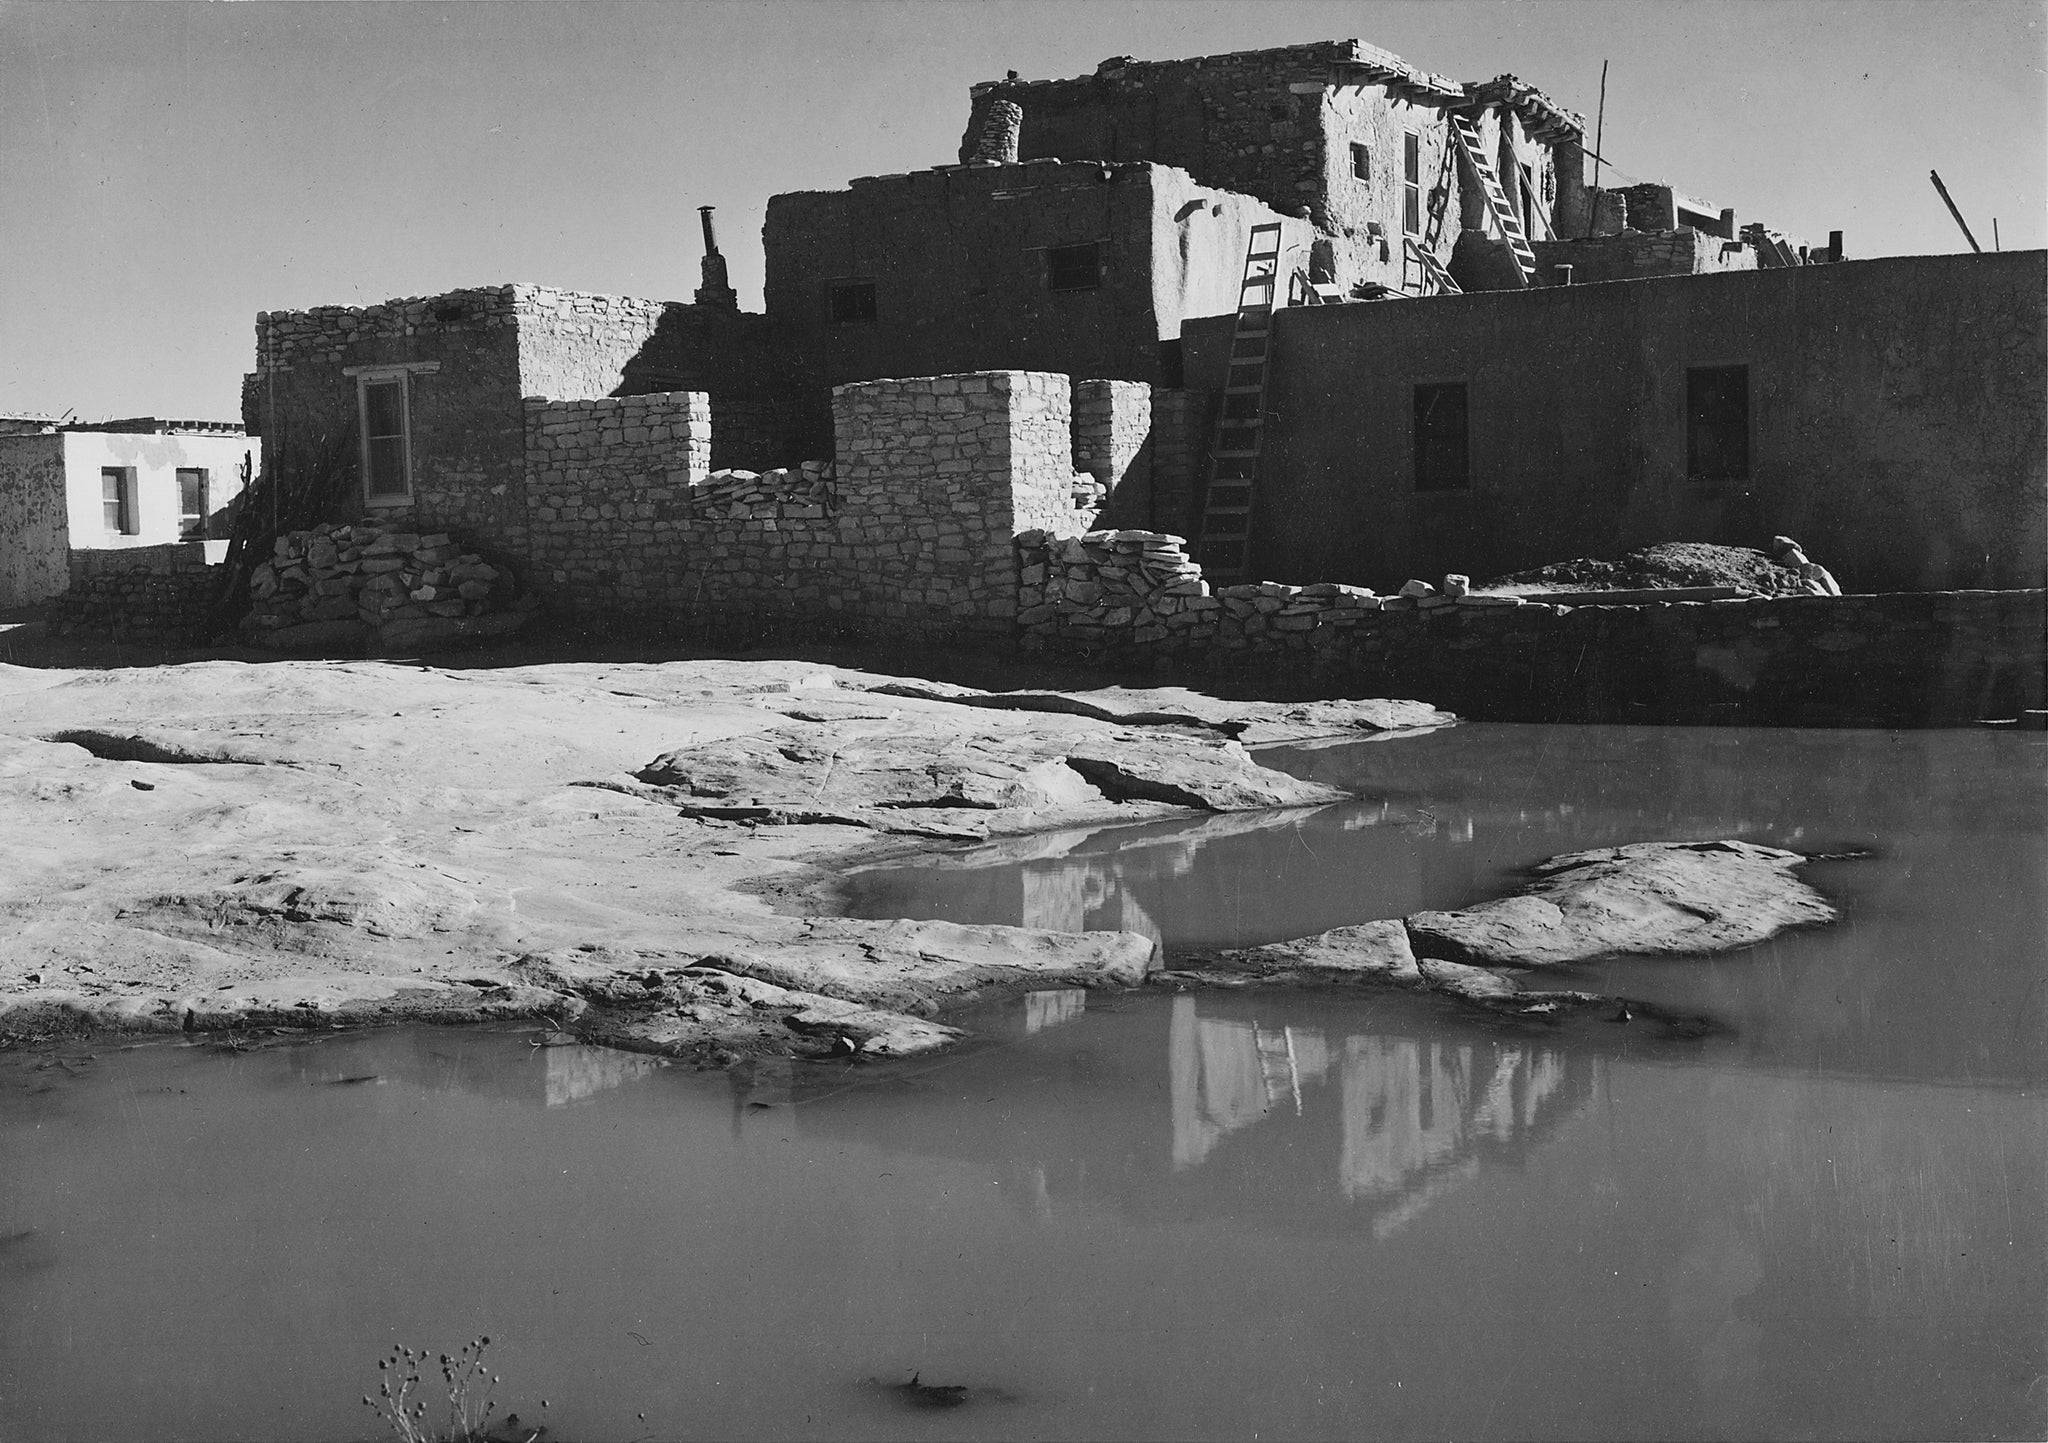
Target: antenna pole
1935, 176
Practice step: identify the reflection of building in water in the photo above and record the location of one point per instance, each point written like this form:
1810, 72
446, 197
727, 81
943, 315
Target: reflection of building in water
575, 1073
1227, 1075
1051, 1008
1416, 1116
1086, 896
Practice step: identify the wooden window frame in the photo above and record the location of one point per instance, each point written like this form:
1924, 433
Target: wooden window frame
401, 377
1361, 162
124, 521
862, 312
186, 531
1426, 396
1058, 258
1709, 459
1411, 183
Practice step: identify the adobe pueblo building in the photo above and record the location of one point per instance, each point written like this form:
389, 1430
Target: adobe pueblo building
1272, 331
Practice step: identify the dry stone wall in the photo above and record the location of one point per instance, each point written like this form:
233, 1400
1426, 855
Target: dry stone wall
332, 586
154, 595
1134, 599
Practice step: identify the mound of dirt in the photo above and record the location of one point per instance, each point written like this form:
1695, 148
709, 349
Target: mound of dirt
1674, 563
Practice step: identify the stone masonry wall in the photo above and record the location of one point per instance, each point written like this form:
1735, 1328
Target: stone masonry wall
936, 478
1112, 443
1633, 254
156, 595
609, 481
910, 535
1179, 453
1133, 598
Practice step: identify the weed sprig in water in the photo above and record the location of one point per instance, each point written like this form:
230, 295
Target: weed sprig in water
469, 1384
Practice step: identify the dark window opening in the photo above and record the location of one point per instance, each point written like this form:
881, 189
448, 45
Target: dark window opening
386, 465
192, 504
1717, 423
1280, 112
1073, 268
1411, 184
1443, 458
852, 301
117, 500
1361, 161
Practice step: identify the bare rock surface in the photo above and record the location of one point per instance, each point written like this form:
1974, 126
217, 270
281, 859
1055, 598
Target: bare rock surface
309, 844
1254, 723
1654, 898
1658, 898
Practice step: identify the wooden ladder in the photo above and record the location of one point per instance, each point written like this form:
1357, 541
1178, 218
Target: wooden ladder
1234, 459
1503, 214
1426, 261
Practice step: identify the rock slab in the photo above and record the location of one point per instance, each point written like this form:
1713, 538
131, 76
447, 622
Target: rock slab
1652, 898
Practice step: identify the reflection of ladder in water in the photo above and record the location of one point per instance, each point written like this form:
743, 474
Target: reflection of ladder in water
1234, 459
1503, 214
1277, 1069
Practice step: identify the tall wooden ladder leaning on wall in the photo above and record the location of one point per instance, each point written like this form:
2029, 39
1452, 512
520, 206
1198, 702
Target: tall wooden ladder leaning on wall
1503, 214
1240, 424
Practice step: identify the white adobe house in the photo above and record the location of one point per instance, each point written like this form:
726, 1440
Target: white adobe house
108, 485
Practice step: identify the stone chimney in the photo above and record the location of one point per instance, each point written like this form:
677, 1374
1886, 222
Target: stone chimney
1001, 126
716, 290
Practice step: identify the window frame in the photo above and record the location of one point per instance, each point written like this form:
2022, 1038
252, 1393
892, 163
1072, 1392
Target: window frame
1701, 467
1411, 182
1361, 162
205, 512
125, 520
1072, 252
401, 377
1427, 479
863, 286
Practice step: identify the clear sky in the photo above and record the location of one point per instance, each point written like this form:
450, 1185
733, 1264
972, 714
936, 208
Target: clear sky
167, 170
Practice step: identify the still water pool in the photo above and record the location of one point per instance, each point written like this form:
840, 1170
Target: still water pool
1283, 1215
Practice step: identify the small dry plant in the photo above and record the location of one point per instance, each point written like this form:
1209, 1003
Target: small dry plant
468, 1382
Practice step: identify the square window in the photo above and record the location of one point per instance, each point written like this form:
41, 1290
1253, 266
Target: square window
1443, 460
1361, 162
1073, 268
192, 504
387, 438
117, 500
1411, 184
852, 301
1717, 423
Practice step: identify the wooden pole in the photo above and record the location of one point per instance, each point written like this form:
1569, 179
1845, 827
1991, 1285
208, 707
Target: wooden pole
1599, 146
1935, 176
1994, 235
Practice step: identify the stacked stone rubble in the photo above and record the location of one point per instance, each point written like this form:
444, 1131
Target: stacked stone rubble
374, 574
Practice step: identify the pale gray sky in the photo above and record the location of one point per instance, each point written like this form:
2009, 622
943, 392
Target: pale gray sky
170, 169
